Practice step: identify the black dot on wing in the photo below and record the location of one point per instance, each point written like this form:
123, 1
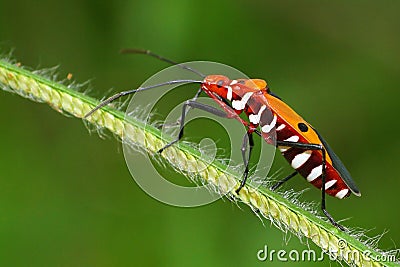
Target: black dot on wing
220, 83
303, 127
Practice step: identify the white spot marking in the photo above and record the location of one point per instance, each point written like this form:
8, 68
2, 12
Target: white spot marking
283, 148
315, 173
329, 184
234, 82
268, 127
255, 118
280, 127
229, 93
293, 138
240, 104
300, 159
342, 193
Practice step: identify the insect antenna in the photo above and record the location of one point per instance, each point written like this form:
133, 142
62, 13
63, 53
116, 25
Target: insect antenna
124, 93
148, 52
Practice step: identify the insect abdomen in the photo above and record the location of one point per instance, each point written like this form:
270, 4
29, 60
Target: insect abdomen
308, 163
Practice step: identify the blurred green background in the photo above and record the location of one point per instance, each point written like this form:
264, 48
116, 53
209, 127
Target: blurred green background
67, 198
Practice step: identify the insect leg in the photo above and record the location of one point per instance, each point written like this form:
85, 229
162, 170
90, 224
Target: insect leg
197, 94
323, 206
322, 149
193, 104
247, 139
178, 121
280, 182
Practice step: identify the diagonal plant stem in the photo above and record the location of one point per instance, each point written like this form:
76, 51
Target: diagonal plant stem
282, 212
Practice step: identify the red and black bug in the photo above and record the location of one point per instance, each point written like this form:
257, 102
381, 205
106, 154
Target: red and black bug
301, 145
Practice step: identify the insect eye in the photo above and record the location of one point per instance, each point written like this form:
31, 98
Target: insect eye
302, 127
220, 83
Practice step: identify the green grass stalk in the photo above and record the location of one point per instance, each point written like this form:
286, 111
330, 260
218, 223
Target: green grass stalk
271, 205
